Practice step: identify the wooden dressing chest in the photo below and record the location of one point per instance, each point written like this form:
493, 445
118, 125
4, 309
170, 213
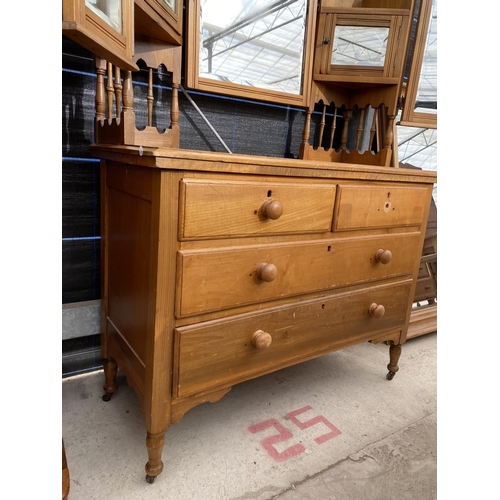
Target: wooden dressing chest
219, 268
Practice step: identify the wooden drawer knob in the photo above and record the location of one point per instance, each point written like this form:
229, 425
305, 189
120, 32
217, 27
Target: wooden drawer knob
267, 272
272, 209
261, 339
377, 310
383, 256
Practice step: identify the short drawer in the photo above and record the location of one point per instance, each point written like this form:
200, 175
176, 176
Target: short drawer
225, 352
225, 209
211, 280
368, 206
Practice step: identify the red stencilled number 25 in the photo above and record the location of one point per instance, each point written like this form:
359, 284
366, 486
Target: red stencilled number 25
284, 434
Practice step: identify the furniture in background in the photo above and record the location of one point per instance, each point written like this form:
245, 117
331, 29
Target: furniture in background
423, 317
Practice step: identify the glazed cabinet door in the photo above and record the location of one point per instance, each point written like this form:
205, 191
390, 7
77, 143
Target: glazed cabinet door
105, 27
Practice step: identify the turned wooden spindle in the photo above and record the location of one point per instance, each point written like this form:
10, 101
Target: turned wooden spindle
373, 128
261, 339
389, 132
394, 355
174, 106
118, 91
322, 126
65, 474
110, 371
150, 97
128, 92
267, 272
307, 127
381, 127
110, 91
154, 444
345, 130
100, 91
360, 128
334, 126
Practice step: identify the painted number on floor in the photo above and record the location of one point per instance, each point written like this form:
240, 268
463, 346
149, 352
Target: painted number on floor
284, 434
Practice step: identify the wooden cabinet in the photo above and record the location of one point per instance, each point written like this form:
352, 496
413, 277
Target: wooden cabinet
159, 19
105, 27
342, 54
221, 268
359, 56
109, 28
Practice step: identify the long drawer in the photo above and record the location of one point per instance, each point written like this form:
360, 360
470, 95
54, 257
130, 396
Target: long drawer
367, 206
224, 352
210, 280
225, 209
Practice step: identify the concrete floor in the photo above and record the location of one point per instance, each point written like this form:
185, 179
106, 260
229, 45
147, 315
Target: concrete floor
367, 437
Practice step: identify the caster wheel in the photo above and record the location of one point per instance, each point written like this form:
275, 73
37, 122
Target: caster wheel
150, 479
390, 375
106, 397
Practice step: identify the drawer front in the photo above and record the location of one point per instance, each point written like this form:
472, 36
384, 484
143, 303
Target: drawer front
224, 209
223, 352
221, 279
362, 206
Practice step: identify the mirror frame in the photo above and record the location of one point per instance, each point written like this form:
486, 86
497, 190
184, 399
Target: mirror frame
410, 117
194, 81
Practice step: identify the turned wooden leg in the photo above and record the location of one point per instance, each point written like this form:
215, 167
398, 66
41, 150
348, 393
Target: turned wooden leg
110, 370
394, 354
154, 467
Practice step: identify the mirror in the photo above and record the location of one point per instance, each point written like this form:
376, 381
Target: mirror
420, 100
359, 46
109, 11
250, 48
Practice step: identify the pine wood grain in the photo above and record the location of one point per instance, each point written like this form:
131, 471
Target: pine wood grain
191, 273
